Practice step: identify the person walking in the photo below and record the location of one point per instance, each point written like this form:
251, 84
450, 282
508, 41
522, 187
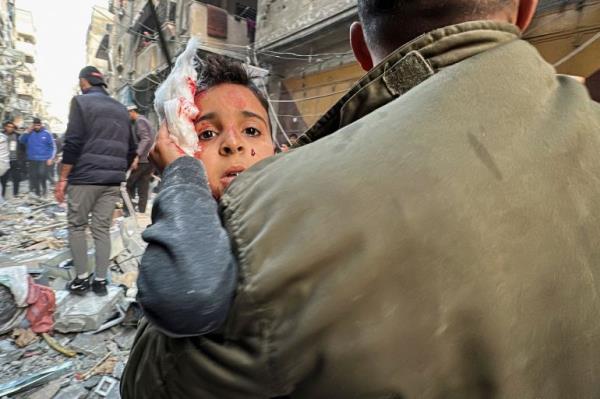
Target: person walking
4, 161
40, 155
17, 156
141, 169
98, 149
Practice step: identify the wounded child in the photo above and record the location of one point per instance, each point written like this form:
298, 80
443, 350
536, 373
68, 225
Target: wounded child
188, 274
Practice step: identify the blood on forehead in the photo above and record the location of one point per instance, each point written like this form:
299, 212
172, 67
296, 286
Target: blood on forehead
191, 85
236, 98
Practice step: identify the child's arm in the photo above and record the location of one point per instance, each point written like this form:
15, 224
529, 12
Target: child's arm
188, 273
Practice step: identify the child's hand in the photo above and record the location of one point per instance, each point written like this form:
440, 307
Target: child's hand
165, 150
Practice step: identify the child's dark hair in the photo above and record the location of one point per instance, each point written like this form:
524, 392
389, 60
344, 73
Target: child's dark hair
216, 69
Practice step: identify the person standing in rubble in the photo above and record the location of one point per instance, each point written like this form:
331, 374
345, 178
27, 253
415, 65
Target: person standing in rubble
40, 155
16, 152
98, 149
4, 161
141, 169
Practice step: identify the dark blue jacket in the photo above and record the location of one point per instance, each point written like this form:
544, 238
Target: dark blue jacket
99, 141
40, 145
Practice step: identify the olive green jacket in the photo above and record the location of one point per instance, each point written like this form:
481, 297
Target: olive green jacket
438, 236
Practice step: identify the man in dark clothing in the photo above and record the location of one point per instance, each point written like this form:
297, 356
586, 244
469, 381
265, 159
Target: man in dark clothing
98, 149
141, 170
40, 154
16, 152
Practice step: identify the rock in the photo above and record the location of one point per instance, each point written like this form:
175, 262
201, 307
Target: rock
24, 337
118, 371
74, 391
125, 339
88, 344
48, 391
85, 313
92, 382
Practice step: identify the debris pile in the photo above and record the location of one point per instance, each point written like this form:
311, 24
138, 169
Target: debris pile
82, 351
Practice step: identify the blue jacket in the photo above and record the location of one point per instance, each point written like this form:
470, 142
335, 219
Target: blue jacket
40, 145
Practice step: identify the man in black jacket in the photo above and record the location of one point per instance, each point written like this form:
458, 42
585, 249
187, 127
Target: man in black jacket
98, 150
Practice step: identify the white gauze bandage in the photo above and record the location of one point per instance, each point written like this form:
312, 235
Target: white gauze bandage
174, 99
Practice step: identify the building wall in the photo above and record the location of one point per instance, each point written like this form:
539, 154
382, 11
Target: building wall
140, 64
280, 18
237, 29
561, 28
29, 101
100, 20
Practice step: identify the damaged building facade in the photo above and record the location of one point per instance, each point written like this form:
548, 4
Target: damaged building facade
20, 96
305, 45
137, 58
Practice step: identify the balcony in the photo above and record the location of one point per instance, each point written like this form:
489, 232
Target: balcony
224, 29
26, 48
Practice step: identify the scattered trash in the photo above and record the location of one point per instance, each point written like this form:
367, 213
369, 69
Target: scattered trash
42, 304
94, 332
58, 347
92, 371
105, 386
34, 380
24, 337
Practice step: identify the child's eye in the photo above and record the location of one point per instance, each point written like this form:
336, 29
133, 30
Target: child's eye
252, 131
207, 135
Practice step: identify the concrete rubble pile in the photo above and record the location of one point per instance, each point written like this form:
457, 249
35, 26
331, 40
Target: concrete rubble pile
84, 354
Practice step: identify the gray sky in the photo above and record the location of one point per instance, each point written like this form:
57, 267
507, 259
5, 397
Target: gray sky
61, 31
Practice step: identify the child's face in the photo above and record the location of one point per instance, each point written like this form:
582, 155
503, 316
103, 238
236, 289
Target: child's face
233, 133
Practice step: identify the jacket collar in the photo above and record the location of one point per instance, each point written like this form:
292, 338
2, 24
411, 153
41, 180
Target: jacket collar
96, 89
409, 66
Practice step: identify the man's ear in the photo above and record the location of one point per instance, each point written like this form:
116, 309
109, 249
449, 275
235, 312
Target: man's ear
525, 15
359, 46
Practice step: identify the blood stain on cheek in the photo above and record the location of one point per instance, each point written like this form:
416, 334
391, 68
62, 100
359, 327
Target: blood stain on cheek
253, 153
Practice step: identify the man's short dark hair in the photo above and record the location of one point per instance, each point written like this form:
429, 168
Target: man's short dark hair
9, 123
216, 70
388, 24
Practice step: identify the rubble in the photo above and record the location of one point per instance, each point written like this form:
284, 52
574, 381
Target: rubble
85, 313
24, 337
86, 353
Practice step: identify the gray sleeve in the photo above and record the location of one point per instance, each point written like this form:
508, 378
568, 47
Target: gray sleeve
145, 137
188, 273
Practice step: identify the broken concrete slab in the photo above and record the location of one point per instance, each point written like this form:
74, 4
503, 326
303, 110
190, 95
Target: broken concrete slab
85, 313
125, 339
92, 382
76, 391
93, 345
48, 391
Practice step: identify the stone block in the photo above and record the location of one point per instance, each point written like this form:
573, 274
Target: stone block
87, 312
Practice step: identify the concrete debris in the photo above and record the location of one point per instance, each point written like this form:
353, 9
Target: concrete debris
88, 344
24, 337
33, 236
76, 391
48, 391
92, 382
34, 380
125, 339
87, 312
105, 387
